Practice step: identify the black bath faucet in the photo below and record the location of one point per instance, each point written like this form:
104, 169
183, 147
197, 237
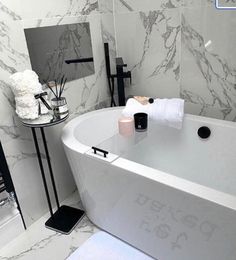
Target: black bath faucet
120, 75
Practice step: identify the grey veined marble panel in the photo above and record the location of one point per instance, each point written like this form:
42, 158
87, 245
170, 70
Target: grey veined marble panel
141, 5
49, 47
31, 9
197, 3
208, 62
105, 6
149, 43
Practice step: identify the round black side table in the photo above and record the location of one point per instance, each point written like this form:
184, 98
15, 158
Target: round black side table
65, 218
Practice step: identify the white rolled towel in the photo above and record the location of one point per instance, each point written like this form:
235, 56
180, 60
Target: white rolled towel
27, 100
26, 82
27, 107
28, 112
169, 112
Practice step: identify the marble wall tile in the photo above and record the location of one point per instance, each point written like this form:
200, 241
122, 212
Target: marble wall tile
198, 3
82, 95
31, 9
105, 6
108, 34
13, 57
149, 43
140, 5
197, 64
10, 8
22, 161
208, 67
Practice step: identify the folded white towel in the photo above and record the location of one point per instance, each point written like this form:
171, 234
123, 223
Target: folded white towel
169, 112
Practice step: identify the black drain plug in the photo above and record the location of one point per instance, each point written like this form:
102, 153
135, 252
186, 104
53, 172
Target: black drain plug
204, 132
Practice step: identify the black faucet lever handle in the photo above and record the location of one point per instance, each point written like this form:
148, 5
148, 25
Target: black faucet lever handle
130, 77
120, 63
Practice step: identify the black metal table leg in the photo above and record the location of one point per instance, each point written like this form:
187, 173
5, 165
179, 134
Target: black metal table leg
65, 218
42, 170
50, 167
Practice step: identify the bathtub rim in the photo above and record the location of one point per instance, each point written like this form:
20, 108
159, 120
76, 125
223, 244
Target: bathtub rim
68, 138
195, 189
204, 119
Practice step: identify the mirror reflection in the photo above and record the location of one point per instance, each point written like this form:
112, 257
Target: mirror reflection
61, 50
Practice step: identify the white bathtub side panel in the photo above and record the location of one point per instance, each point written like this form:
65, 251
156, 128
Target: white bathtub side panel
162, 221
82, 178
74, 159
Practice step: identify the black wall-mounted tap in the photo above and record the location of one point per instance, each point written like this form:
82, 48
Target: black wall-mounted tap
120, 75
81, 60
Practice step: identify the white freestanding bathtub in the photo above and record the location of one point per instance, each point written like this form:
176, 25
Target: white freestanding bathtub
166, 192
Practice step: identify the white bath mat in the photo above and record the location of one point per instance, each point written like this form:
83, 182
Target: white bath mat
103, 246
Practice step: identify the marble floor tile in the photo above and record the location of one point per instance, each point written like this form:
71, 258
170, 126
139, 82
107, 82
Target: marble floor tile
40, 243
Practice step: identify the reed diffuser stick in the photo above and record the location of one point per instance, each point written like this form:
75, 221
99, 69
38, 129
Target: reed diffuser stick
56, 89
50, 85
61, 85
62, 89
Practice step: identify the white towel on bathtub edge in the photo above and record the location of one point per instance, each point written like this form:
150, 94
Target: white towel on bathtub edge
102, 246
169, 112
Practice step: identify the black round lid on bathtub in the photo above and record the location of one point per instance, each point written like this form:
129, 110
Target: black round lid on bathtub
204, 132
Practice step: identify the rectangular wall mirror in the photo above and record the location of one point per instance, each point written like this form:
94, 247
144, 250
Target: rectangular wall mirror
51, 46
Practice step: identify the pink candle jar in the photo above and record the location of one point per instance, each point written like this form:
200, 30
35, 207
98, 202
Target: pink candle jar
126, 126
